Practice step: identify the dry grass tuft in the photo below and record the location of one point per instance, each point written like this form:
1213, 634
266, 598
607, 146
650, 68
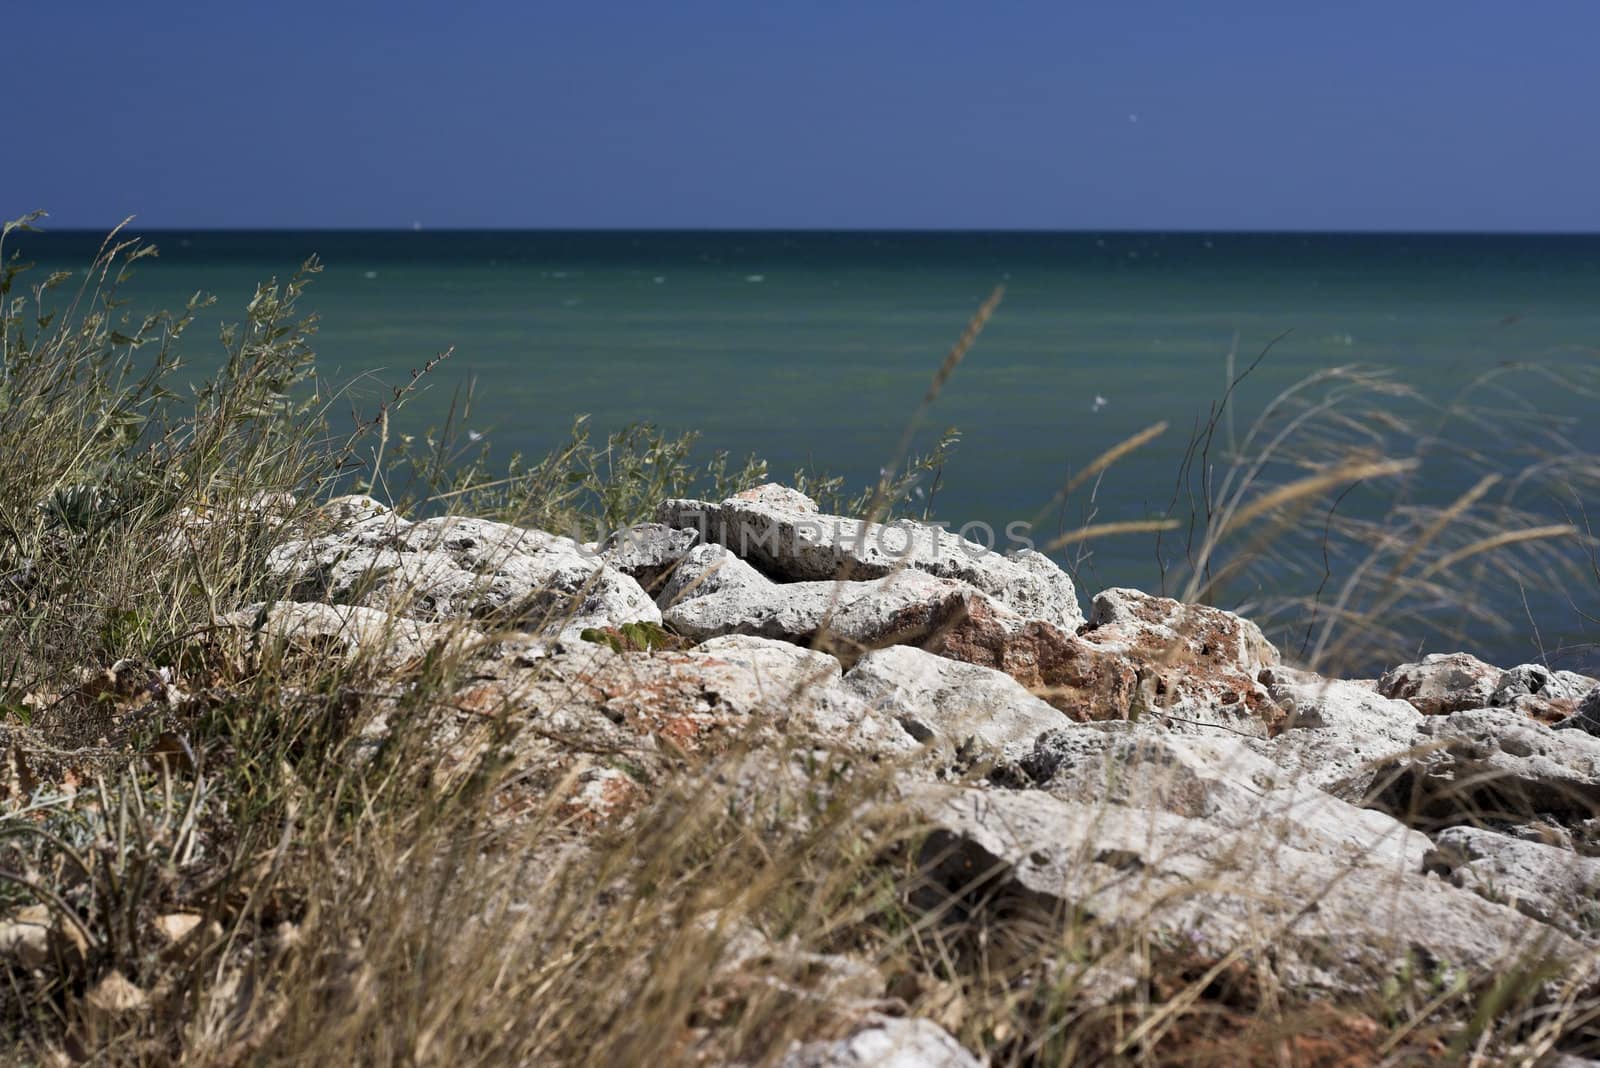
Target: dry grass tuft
243, 851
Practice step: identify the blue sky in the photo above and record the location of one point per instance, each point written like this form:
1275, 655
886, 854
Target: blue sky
704, 113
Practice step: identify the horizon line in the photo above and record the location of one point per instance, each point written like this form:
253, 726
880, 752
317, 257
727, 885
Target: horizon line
819, 230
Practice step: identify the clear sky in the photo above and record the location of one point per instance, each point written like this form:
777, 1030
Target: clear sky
1047, 114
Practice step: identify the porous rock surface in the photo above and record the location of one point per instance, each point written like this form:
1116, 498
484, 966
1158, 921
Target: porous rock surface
984, 713
648, 553
1495, 762
1547, 882
1587, 715
1218, 780
782, 532
1226, 889
1154, 765
453, 568
1338, 736
1540, 693
1196, 666
1441, 683
713, 592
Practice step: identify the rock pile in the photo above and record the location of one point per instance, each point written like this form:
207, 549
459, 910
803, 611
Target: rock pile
1152, 764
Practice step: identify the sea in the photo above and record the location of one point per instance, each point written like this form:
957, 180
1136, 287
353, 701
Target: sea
816, 350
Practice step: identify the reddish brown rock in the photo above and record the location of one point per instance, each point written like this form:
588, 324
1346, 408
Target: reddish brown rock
1548, 711
600, 797
1196, 665
1160, 630
1081, 680
1189, 664
1441, 683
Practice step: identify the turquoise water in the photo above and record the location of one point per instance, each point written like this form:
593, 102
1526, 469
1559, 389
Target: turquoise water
815, 347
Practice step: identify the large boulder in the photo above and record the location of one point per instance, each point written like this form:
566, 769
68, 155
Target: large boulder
1219, 780
781, 531
457, 568
1188, 667
713, 592
592, 731
1321, 920
804, 690
695, 700
648, 553
1541, 693
1080, 678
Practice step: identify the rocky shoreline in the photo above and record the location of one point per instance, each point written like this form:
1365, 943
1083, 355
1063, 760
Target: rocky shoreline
1151, 764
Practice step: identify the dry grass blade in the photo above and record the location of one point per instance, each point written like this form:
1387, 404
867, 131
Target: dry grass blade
952, 360
959, 350
1106, 530
1445, 519
1167, 1014
490, 847
1499, 541
1113, 454
1396, 584
1314, 485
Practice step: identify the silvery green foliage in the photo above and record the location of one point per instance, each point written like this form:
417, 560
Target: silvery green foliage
80, 507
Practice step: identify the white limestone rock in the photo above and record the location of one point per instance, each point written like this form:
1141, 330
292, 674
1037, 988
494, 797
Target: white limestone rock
1220, 781
806, 686
781, 532
1339, 736
713, 592
1495, 760
648, 552
460, 568
350, 630
1441, 683
1321, 920
980, 713
891, 1042
1551, 884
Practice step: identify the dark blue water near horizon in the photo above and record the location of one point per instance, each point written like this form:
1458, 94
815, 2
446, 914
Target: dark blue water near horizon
813, 348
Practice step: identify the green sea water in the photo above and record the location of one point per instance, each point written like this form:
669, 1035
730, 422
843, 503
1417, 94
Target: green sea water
815, 348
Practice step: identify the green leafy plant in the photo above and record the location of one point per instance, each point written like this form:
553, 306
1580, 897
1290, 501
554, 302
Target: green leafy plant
641, 637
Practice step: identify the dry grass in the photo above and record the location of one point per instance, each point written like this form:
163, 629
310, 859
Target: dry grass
359, 902
1324, 525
